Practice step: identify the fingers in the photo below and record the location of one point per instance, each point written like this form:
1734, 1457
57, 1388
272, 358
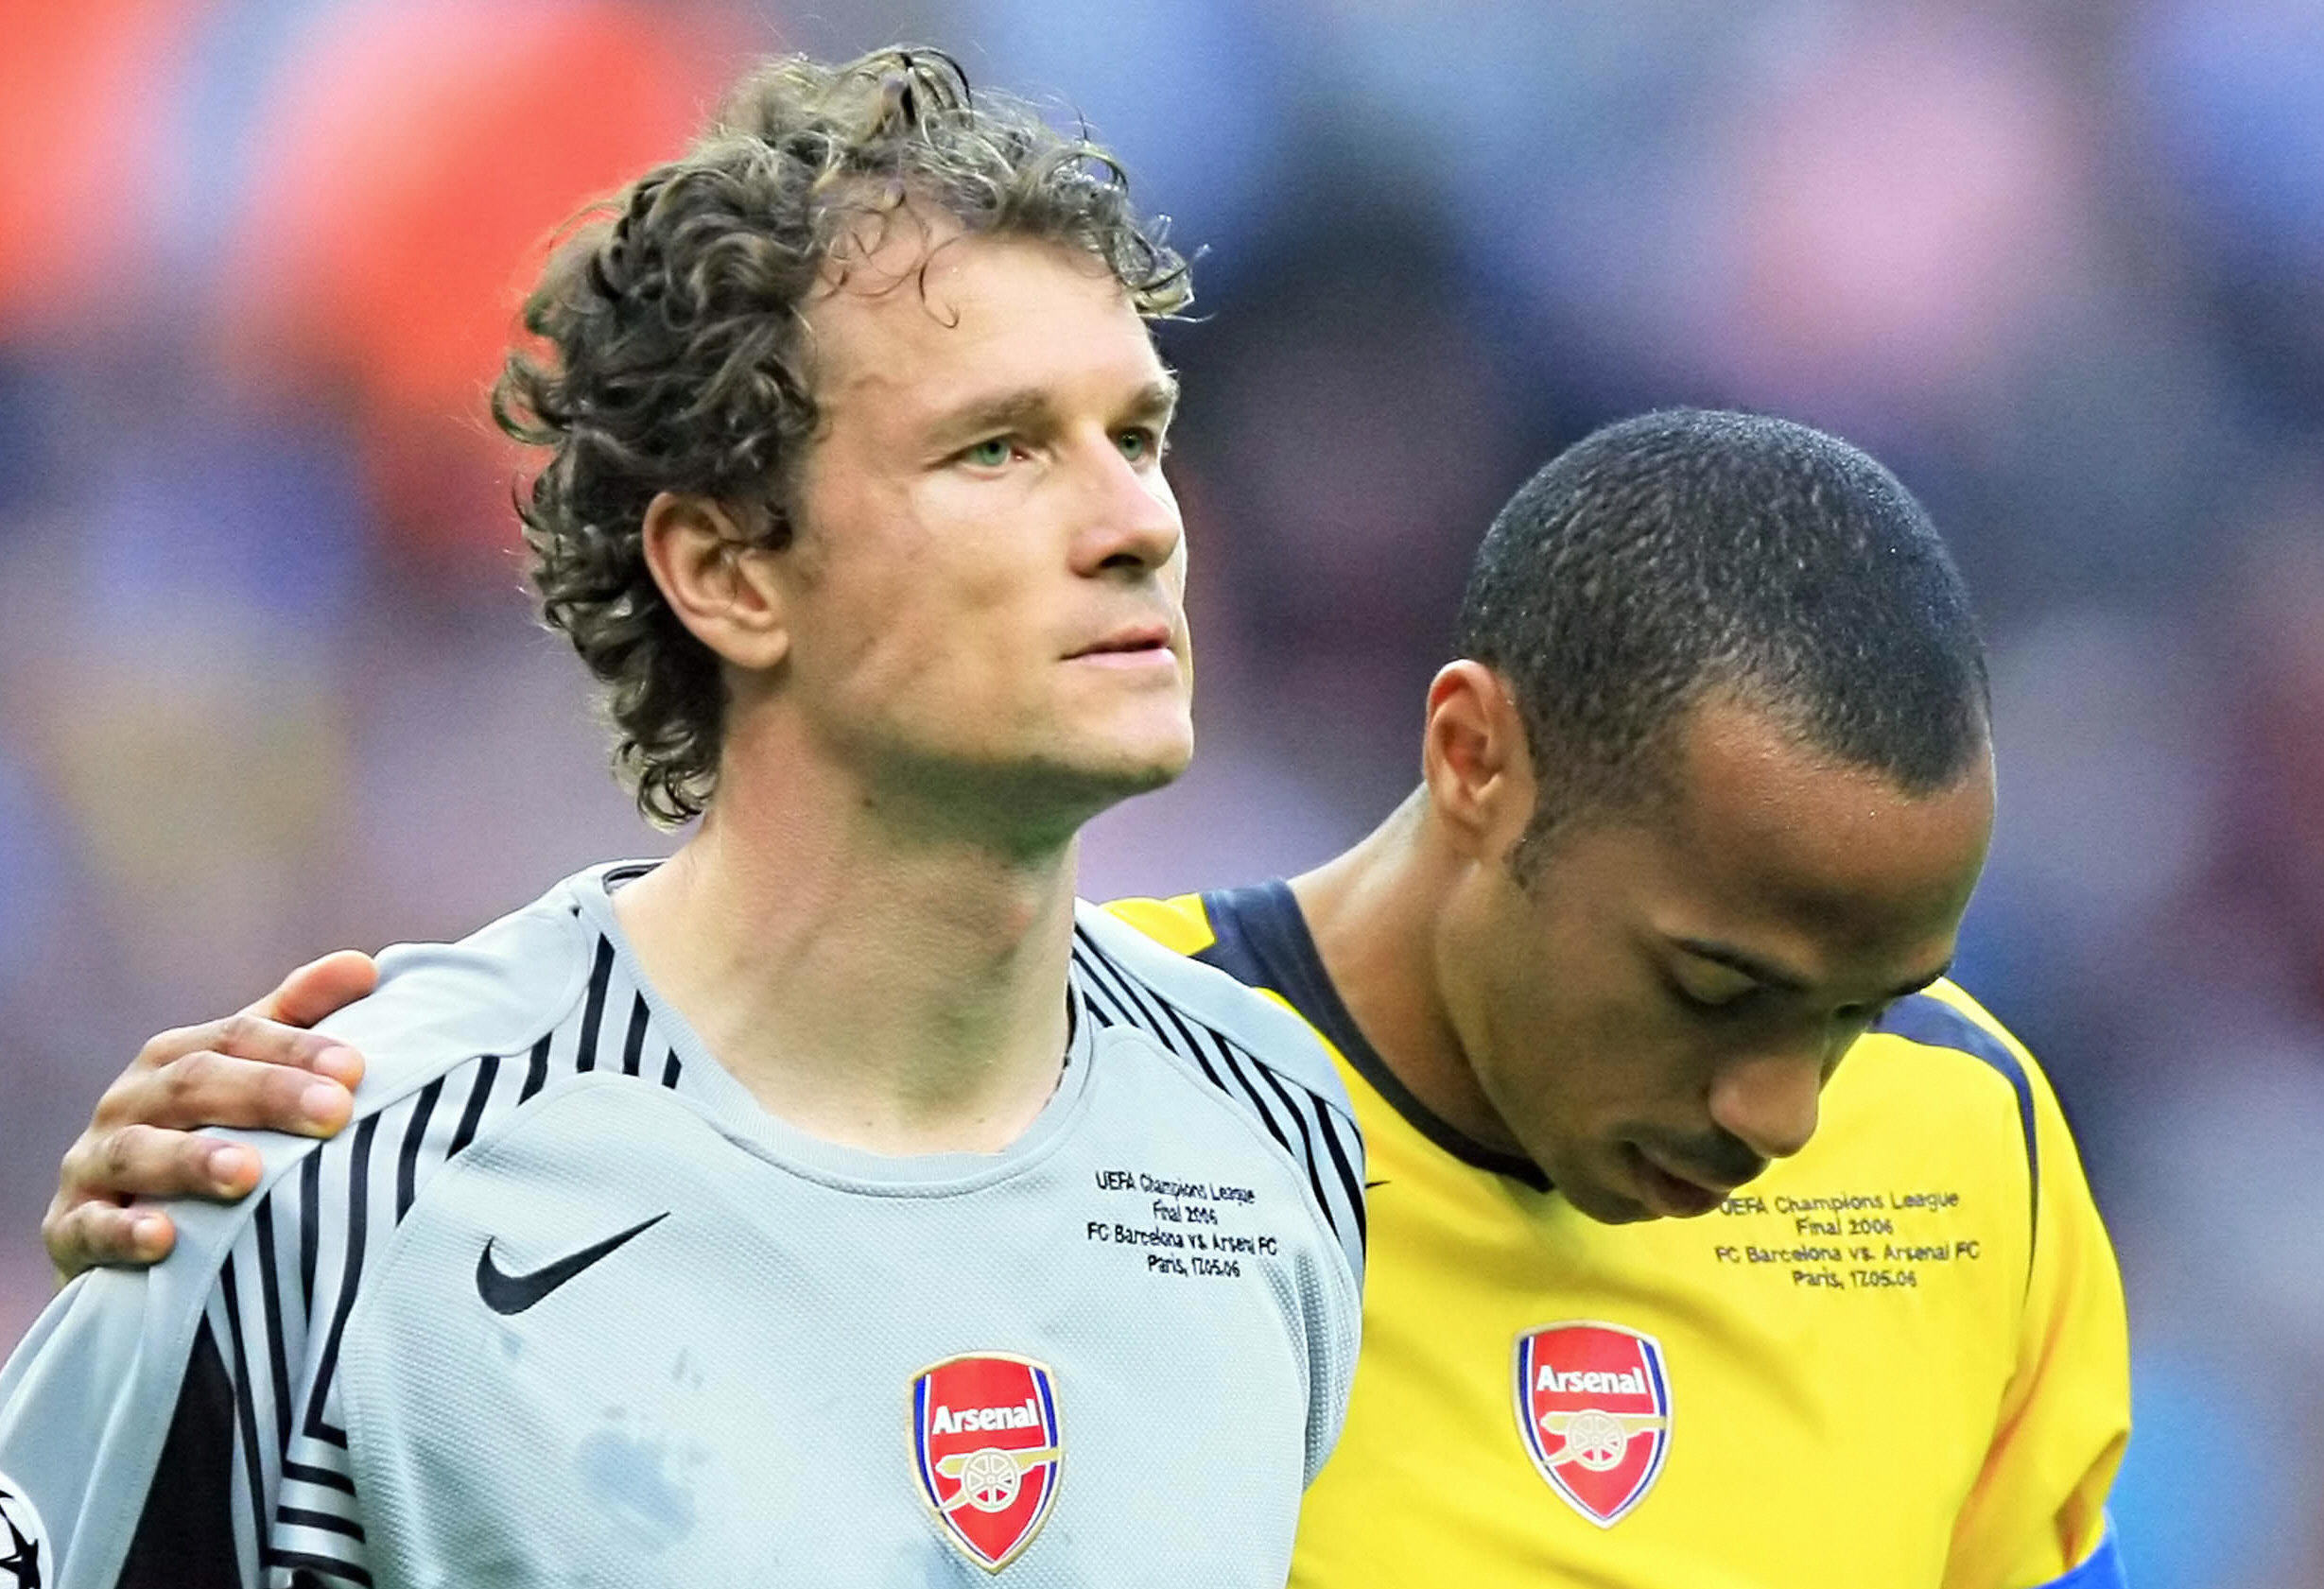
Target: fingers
258, 1069
129, 1162
319, 988
258, 1075
250, 1036
139, 1146
87, 1225
88, 1235
184, 1059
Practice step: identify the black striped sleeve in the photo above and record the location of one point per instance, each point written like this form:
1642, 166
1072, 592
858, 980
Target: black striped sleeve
633, 1041
207, 1515
264, 1416
593, 1010
1317, 1132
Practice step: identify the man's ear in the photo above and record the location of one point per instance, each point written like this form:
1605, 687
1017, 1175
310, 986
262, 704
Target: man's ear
1475, 761
722, 585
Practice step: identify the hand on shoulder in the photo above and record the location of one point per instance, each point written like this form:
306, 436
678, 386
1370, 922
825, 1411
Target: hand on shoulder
259, 1069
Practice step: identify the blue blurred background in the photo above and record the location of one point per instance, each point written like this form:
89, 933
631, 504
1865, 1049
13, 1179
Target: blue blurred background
267, 684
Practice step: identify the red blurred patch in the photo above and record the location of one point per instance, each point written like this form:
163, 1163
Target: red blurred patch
422, 157
85, 101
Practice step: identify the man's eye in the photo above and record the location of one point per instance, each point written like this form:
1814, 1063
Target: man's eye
1139, 445
989, 455
1724, 1001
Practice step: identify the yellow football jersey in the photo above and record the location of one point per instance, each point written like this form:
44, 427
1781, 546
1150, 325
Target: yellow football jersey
1897, 1361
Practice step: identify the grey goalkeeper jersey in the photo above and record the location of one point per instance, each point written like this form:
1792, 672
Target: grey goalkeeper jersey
565, 1306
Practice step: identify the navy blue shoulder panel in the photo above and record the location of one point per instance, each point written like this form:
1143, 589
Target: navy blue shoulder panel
1927, 1019
1231, 949
1261, 939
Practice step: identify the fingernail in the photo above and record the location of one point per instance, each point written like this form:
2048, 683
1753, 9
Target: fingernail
340, 1061
226, 1165
148, 1233
321, 1101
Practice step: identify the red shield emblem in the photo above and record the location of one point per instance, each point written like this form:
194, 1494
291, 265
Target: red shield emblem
986, 1446
1594, 1409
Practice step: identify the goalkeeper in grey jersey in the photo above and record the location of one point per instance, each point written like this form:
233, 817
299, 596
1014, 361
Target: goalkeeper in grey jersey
1049, 1243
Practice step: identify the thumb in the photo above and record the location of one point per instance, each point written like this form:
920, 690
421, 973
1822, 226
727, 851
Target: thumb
319, 988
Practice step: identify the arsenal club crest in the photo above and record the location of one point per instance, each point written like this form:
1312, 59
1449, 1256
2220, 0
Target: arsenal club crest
986, 1446
1594, 1409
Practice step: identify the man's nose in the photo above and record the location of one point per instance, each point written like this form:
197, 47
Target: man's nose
1129, 518
1769, 1101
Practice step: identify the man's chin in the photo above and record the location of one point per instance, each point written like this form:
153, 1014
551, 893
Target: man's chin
1609, 1207
1598, 1198
1137, 765
1068, 791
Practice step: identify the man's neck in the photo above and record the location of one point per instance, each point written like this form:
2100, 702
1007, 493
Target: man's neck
1372, 912
869, 983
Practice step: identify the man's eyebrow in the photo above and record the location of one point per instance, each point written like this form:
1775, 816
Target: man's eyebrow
1156, 400
1776, 976
1027, 407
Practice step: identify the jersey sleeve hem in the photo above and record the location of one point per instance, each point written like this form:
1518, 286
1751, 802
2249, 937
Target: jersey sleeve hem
2102, 1569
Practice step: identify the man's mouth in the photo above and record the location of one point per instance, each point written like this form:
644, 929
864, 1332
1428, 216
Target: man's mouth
1670, 1192
1131, 643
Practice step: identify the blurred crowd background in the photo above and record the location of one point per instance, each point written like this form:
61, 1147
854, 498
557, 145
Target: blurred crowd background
267, 684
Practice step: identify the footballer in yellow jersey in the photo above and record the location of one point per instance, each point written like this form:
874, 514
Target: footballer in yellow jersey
1897, 1358
1717, 1242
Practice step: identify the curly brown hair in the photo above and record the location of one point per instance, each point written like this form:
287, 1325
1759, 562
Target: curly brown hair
674, 347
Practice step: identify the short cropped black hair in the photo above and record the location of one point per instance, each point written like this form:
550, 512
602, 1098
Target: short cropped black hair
1687, 552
